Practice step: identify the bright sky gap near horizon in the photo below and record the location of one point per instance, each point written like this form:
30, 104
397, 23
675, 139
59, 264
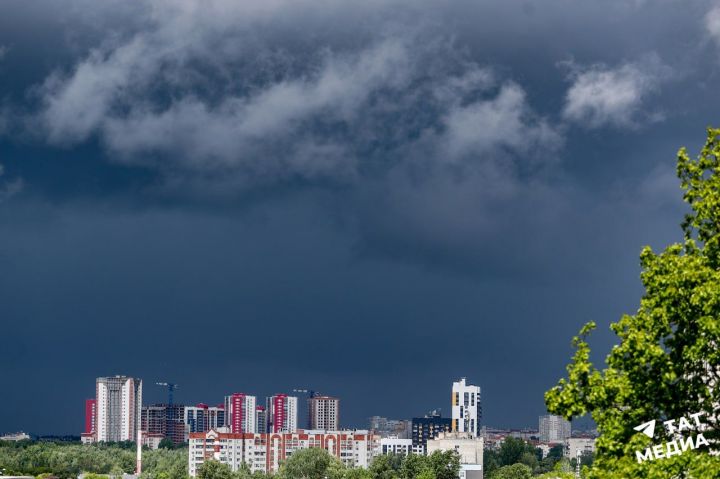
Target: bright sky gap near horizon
367, 199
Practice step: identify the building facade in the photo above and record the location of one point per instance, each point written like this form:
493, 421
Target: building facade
468, 447
400, 428
166, 420
16, 436
202, 418
261, 420
118, 402
428, 427
584, 445
466, 408
553, 428
282, 413
90, 416
396, 446
240, 413
265, 451
324, 413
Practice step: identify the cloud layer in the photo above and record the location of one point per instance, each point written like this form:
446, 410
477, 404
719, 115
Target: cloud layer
604, 96
324, 120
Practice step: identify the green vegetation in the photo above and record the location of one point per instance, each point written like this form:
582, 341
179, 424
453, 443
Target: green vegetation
667, 359
514, 452
67, 460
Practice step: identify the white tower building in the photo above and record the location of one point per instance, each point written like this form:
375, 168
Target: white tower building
466, 408
118, 406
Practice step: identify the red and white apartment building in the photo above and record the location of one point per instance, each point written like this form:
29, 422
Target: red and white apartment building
265, 451
282, 413
240, 413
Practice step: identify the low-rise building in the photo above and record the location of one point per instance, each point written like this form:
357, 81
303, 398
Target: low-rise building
471, 471
16, 436
264, 452
152, 439
468, 447
585, 445
395, 445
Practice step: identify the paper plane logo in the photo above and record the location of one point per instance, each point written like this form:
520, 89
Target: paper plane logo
647, 428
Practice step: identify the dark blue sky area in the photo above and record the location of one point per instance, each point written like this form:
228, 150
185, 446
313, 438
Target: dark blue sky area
367, 199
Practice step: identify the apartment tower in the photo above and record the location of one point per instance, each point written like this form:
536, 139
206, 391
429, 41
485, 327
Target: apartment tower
466, 408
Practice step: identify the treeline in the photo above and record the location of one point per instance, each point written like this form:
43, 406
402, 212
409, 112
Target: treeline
516, 459
317, 463
67, 460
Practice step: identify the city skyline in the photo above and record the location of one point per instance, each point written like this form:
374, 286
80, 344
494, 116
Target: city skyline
360, 198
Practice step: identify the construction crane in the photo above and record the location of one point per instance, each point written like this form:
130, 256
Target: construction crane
310, 394
171, 387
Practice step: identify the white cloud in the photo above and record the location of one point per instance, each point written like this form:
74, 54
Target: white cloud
503, 121
602, 96
198, 95
712, 23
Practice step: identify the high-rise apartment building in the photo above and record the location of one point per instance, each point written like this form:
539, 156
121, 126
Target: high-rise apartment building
202, 418
119, 406
282, 413
466, 408
90, 416
165, 420
261, 419
553, 428
240, 413
428, 427
324, 413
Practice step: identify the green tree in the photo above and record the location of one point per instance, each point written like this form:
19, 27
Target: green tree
491, 461
166, 443
557, 452
413, 465
515, 471
445, 464
426, 474
512, 451
668, 358
357, 473
211, 469
386, 466
313, 463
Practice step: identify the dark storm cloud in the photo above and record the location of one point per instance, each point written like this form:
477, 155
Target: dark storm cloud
357, 197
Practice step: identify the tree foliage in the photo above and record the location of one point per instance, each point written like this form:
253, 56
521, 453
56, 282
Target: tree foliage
211, 469
666, 364
100, 461
514, 471
67, 460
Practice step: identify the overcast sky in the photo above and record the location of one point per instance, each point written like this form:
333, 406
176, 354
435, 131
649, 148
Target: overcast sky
369, 199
